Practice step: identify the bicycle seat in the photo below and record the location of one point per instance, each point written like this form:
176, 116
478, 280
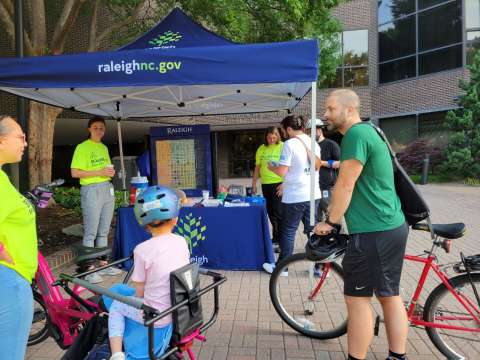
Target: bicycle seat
447, 231
85, 253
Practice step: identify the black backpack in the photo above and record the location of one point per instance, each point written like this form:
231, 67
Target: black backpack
185, 284
414, 206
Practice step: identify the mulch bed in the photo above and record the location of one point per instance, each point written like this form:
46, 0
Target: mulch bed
51, 221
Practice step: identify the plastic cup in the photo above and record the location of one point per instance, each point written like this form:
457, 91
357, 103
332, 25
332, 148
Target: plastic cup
205, 195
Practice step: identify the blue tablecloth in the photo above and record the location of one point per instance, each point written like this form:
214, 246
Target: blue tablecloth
227, 238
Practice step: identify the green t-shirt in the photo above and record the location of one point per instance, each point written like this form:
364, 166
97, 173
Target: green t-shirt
263, 156
375, 205
90, 155
18, 232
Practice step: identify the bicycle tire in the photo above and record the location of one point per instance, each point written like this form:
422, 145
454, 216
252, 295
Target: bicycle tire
454, 344
327, 320
42, 332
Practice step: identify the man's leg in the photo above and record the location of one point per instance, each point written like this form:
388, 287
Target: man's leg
360, 325
396, 323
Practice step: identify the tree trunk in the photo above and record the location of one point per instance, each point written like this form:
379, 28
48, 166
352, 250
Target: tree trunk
41, 123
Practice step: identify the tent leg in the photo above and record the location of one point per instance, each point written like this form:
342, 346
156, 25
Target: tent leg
122, 163
313, 143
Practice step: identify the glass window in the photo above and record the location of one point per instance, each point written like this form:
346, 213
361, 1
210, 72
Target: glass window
400, 131
473, 45
439, 60
355, 76
354, 70
423, 4
397, 39
355, 47
398, 70
472, 14
431, 124
392, 9
440, 26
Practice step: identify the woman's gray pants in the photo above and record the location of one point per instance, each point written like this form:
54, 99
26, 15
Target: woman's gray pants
98, 202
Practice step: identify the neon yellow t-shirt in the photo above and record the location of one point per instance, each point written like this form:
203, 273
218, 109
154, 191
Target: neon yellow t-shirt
18, 232
90, 155
263, 156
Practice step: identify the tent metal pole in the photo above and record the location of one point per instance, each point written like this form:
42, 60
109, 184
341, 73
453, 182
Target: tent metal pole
312, 146
122, 164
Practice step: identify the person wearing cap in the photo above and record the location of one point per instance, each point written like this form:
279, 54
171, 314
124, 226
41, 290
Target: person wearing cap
329, 165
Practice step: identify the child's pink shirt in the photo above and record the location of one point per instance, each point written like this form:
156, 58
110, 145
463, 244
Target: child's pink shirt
154, 259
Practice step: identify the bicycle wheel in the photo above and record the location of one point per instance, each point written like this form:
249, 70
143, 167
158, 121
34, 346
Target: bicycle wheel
443, 309
310, 299
40, 323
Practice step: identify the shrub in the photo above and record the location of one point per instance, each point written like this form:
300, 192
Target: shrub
69, 197
411, 157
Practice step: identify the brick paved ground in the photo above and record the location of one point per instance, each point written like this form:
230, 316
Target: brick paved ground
249, 328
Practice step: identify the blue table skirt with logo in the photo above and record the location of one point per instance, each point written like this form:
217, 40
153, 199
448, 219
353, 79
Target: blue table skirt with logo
223, 238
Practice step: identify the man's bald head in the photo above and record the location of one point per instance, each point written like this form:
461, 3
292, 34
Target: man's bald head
346, 98
342, 109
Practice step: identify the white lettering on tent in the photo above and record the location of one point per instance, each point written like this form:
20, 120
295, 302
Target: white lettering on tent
129, 67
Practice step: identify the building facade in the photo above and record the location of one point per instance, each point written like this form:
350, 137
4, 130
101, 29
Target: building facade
403, 57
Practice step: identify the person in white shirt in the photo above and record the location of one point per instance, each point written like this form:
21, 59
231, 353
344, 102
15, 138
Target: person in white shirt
294, 168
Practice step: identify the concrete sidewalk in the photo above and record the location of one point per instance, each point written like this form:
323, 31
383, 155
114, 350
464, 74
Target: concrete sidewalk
249, 328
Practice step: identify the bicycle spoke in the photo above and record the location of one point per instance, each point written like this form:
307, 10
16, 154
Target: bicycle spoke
310, 299
457, 334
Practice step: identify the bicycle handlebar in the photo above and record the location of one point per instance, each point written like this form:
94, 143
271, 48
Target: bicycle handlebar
129, 300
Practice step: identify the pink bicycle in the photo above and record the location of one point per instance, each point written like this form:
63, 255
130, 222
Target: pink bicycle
55, 315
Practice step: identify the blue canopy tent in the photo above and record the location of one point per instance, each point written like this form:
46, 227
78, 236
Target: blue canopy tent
178, 68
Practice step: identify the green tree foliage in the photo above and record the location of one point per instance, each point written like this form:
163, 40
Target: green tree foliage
463, 151
250, 21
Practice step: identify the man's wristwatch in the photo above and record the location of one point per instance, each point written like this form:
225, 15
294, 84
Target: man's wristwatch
327, 221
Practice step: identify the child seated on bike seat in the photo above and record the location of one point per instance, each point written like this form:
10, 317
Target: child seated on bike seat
157, 209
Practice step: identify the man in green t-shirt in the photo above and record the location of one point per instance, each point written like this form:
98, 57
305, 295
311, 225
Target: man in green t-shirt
365, 194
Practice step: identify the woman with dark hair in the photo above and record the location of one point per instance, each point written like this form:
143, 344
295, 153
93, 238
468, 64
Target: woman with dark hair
294, 168
18, 249
91, 164
270, 151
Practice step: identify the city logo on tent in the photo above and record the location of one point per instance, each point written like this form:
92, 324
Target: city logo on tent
166, 39
193, 231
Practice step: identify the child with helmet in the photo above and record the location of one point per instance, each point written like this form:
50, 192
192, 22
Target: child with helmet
156, 209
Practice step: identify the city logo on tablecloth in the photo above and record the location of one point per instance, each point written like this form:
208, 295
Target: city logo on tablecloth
166, 38
193, 231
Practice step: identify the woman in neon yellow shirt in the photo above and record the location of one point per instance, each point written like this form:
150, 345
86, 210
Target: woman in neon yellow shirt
18, 249
270, 151
91, 164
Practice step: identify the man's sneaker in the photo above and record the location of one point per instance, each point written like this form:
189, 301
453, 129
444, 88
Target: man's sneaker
110, 271
268, 267
93, 278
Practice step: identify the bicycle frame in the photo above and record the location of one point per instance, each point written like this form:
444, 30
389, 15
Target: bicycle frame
65, 315
416, 319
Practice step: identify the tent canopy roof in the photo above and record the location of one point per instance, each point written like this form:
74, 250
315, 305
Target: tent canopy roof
177, 69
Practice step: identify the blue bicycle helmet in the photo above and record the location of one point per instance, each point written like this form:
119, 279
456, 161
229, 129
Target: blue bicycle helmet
156, 203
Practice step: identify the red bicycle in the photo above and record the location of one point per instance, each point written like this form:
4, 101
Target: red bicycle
310, 299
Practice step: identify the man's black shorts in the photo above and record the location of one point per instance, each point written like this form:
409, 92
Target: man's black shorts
373, 262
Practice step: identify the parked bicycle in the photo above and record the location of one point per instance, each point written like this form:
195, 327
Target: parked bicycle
310, 299
54, 314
